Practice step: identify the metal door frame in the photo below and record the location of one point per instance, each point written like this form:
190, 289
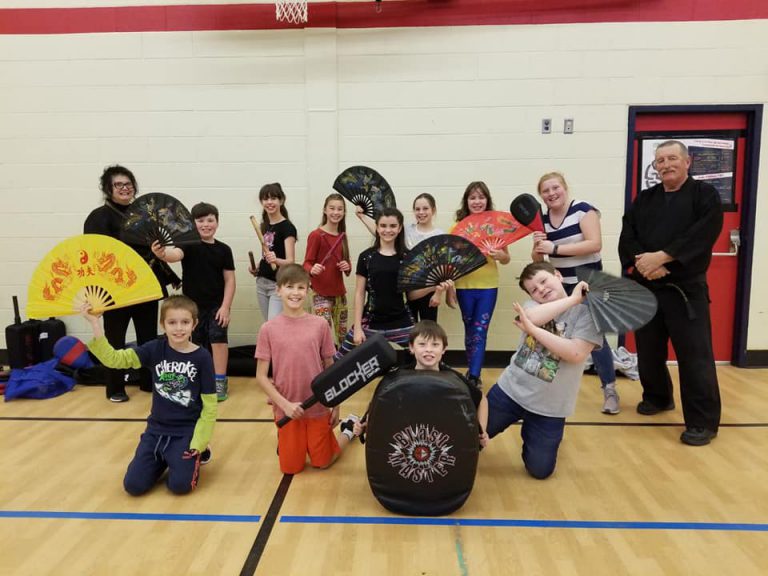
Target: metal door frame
740, 356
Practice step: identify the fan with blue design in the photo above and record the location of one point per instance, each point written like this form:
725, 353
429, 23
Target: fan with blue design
438, 259
365, 187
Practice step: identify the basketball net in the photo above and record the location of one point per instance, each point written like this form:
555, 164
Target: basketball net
293, 11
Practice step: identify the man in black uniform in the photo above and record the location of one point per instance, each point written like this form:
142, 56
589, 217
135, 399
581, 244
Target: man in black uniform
666, 243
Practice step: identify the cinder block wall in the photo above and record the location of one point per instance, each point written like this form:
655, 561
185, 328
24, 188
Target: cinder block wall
214, 115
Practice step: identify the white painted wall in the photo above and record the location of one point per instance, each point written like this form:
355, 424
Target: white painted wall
214, 115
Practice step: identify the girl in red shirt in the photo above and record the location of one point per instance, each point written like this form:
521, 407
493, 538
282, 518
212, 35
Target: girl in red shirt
327, 257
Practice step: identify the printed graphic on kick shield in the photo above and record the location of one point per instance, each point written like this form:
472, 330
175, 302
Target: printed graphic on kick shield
422, 442
421, 452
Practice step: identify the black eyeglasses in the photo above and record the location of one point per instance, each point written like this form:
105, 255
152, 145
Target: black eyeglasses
122, 185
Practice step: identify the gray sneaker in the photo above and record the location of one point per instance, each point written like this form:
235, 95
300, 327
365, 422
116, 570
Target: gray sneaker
222, 390
610, 400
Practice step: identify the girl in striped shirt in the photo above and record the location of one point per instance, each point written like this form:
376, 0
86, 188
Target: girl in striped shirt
572, 238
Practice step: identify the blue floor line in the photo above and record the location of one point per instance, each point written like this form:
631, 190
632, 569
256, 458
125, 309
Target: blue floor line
396, 521
128, 516
504, 523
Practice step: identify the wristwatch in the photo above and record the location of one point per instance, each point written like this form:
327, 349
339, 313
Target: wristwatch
554, 250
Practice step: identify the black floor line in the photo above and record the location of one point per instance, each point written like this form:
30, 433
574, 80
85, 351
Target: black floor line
85, 419
667, 424
267, 523
271, 421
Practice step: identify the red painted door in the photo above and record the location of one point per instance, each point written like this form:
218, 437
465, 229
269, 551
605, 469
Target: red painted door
724, 132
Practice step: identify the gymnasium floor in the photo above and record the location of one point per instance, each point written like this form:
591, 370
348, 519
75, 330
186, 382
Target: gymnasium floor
627, 497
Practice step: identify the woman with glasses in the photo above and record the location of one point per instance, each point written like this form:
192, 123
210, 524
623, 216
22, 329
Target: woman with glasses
119, 188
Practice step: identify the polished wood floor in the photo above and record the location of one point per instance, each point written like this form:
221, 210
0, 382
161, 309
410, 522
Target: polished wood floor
627, 497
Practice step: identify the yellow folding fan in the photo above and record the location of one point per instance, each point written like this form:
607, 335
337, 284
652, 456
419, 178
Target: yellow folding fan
90, 268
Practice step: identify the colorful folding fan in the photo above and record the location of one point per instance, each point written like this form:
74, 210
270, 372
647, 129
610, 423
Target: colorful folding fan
90, 268
491, 230
438, 259
365, 187
159, 217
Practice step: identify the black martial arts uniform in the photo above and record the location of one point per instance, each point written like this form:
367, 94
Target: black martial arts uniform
685, 224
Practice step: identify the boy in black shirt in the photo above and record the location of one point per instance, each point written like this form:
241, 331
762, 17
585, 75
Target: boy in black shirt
209, 280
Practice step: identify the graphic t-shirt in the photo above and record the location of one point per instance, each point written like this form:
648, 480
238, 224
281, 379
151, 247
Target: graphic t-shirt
203, 278
540, 381
178, 380
274, 238
385, 307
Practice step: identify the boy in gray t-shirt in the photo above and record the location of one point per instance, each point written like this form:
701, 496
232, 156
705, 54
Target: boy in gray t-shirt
541, 383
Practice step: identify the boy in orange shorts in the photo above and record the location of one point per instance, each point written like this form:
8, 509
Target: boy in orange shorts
299, 346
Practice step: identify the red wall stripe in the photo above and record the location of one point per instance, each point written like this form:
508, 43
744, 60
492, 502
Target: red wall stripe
371, 14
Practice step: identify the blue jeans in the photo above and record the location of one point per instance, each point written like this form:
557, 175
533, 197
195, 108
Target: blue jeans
602, 358
541, 434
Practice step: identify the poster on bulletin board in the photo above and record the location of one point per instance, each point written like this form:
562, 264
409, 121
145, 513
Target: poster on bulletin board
712, 159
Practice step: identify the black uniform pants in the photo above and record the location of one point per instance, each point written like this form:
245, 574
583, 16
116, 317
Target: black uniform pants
690, 329
116, 322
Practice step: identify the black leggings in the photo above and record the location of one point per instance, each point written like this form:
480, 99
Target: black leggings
116, 322
421, 310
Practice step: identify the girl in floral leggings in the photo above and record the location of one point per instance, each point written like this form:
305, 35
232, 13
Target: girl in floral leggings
477, 292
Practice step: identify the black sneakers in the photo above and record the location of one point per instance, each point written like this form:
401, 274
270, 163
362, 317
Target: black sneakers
119, 397
474, 381
697, 436
647, 409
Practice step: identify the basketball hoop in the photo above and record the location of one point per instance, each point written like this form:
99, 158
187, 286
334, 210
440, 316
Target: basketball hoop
293, 11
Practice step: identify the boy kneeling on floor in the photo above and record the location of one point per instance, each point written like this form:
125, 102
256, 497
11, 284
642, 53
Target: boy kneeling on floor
541, 383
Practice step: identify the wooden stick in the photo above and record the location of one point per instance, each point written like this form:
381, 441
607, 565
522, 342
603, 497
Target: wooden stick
333, 247
264, 247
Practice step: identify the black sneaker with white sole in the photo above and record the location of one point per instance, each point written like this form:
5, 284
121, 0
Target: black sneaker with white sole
119, 397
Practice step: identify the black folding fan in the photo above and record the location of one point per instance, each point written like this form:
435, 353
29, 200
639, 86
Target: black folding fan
438, 259
365, 187
159, 217
617, 305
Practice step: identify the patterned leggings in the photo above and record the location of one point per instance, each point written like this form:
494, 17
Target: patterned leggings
396, 335
477, 306
334, 310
